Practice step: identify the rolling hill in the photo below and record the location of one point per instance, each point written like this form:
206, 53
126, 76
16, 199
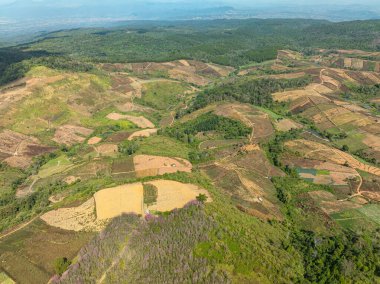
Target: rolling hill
242, 151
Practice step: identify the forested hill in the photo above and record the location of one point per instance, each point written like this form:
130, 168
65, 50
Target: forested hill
226, 42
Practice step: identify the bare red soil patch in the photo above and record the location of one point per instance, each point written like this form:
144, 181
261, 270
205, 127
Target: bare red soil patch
146, 165
18, 149
107, 149
94, 140
143, 133
287, 124
71, 134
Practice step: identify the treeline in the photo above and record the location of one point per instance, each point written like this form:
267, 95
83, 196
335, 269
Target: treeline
229, 128
11, 66
15, 63
257, 92
62, 63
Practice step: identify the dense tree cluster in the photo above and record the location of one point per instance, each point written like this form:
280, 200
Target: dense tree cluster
128, 147
276, 145
349, 258
12, 63
257, 92
11, 67
63, 63
363, 92
229, 128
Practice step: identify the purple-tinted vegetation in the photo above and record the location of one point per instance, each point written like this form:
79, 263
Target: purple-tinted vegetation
99, 254
157, 250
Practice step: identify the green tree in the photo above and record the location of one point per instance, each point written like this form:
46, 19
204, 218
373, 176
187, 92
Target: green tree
128, 147
61, 264
345, 148
202, 198
283, 195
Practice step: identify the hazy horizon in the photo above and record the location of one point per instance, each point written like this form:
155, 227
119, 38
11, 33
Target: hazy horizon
22, 10
24, 16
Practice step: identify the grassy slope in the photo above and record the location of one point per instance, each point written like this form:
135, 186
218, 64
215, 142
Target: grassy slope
163, 95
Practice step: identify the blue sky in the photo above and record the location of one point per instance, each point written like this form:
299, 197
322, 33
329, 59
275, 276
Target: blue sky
52, 4
230, 2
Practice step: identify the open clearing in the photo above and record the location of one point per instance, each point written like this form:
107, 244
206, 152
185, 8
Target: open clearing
146, 165
260, 122
329, 174
20, 89
158, 145
55, 166
17, 150
321, 172
81, 218
113, 202
164, 95
142, 133
321, 152
71, 179
129, 198
372, 141
140, 121
71, 134
250, 191
287, 124
313, 91
330, 204
94, 140
107, 149
173, 194
190, 71
372, 211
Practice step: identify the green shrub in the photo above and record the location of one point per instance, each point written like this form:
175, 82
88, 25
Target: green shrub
61, 264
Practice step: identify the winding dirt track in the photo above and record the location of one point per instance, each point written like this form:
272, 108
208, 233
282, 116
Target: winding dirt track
22, 226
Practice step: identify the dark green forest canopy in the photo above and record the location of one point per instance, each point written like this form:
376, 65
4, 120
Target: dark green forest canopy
12, 65
228, 42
